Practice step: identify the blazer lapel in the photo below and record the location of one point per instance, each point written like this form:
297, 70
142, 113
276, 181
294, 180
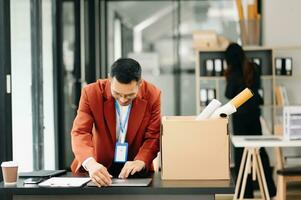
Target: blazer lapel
109, 112
135, 119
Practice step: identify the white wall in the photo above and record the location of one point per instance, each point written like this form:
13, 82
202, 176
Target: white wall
280, 22
21, 84
281, 29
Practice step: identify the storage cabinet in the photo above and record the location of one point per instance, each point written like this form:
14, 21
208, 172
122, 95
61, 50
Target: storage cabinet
280, 66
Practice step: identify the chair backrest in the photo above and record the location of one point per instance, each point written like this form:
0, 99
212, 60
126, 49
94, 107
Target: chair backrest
278, 130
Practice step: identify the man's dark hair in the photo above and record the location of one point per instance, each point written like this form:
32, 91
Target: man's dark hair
126, 70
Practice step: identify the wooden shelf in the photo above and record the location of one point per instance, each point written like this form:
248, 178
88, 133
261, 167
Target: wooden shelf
267, 106
283, 77
282, 48
269, 79
266, 77
212, 78
223, 78
281, 107
277, 106
264, 106
247, 48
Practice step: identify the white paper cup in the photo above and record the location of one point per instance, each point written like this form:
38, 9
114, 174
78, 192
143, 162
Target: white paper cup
10, 172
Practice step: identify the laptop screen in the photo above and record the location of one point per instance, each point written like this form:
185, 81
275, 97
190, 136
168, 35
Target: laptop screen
126, 182
42, 173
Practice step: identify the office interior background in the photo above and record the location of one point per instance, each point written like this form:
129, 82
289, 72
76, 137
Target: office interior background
50, 49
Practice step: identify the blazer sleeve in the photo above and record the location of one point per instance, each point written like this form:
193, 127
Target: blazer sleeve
81, 133
150, 147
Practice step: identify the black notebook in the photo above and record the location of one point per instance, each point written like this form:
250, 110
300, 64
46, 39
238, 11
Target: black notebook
42, 173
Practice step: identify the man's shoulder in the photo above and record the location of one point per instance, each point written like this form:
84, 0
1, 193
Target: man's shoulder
149, 90
97, 86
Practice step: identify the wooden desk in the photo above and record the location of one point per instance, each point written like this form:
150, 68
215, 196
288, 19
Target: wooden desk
158, 189
251, 161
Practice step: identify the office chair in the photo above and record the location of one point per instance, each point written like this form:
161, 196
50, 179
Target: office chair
284, 174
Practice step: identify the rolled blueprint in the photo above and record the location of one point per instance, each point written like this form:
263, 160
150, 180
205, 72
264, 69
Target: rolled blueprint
210, 108
223, 111
241, 98
233, 104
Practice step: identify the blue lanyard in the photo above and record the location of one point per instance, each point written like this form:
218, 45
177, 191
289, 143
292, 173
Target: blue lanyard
122, 125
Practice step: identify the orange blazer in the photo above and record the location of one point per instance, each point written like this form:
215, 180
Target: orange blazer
94, 129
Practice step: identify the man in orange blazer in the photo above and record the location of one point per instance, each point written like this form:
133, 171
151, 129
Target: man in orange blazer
117, 127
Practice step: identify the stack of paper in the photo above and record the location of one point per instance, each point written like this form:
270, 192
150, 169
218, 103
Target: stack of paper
65, 182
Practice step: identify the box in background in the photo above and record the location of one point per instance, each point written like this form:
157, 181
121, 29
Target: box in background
208, 39
204, 39
291, 122
194, 149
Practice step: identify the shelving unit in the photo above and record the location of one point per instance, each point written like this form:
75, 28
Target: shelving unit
271, 112
291, 83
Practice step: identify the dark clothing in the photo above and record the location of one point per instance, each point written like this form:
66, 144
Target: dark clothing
246, 121
235, 85
244, 124
116, 168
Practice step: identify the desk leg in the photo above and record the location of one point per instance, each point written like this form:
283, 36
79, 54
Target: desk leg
259, 176
251, 158
261, 172
246, 172
254, 164
281, 188
239, 176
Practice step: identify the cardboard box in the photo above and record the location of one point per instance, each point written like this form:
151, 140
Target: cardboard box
194, 149
208, 39
204, 39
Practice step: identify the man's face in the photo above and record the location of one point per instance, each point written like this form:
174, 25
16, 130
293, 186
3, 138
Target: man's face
124, 93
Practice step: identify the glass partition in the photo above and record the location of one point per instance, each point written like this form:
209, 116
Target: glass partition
162, 42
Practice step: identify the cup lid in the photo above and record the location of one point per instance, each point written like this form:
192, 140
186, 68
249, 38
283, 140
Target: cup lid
9, 164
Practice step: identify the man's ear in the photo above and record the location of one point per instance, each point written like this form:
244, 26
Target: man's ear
139, 83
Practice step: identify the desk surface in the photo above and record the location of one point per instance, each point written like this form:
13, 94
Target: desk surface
263, 141
157, 186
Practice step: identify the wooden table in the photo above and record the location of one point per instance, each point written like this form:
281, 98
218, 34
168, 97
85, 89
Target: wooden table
251, 161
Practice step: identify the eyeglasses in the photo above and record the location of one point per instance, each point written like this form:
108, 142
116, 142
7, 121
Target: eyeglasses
121, 91
125, 96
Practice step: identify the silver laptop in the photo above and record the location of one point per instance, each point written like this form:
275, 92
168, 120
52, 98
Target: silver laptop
126, 182
42, 173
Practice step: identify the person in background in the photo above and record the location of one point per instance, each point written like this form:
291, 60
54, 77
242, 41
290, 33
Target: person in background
117, 128
242, 73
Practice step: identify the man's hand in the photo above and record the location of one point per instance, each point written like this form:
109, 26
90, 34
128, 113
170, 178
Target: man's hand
99, 173
131, 167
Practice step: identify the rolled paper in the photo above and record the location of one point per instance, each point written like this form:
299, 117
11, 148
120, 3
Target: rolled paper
223, 111
209, 109
241, 98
